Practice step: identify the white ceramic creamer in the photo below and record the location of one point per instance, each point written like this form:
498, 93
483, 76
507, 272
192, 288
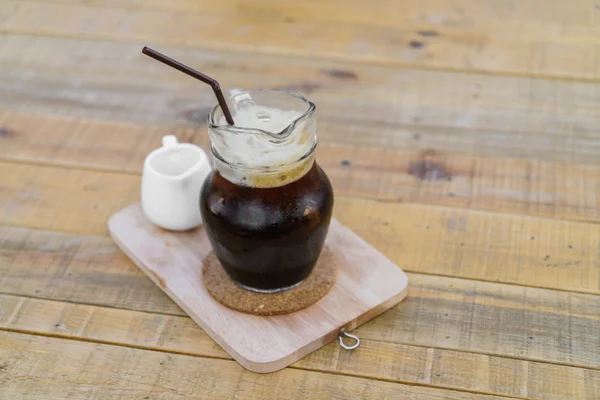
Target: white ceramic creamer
171, 182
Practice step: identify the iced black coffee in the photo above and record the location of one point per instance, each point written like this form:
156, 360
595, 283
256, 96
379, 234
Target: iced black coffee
267, 205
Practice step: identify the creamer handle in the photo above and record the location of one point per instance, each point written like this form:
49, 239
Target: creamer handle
169, 140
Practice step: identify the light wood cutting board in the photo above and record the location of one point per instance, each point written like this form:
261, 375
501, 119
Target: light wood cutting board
367, 284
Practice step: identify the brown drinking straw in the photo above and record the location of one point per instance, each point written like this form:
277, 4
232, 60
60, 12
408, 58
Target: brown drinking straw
195, 74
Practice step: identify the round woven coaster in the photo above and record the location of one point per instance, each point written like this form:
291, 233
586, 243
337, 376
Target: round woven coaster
226, 292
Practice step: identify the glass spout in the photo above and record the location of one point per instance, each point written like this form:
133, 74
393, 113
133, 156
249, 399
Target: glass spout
274, 133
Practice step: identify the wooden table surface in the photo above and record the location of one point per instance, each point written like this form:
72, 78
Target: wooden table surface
462, 138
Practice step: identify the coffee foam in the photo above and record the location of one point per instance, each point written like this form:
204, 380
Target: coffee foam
258, 159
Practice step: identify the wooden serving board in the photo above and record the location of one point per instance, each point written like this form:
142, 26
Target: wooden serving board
367, 284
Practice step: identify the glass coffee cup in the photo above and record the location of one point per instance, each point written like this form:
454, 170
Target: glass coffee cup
267, 205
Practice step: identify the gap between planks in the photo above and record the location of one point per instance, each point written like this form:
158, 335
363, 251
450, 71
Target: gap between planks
410, 383
66, 166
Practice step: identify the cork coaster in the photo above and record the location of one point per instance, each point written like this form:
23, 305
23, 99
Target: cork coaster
226, 292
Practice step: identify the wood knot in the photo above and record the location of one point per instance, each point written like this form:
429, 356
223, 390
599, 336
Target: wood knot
428, 169
340, 74
416, 44
5, 132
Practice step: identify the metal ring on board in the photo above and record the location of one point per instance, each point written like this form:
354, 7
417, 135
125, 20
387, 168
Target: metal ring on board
346, 334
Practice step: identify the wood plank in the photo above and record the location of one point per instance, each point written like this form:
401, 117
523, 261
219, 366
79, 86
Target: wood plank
373, 359
558, 190
86, 143
476, 245
529, 37
74, 200
448, 313
355, 12
83, 269
61, 369
436, 240
358, 104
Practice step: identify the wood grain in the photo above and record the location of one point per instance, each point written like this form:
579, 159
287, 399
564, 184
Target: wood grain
485, 246
532, 187
436, 240
360, 105
377, 360
79, 198
37, 367
495, 36
517, 133
366, 285
448, 313
75, 268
